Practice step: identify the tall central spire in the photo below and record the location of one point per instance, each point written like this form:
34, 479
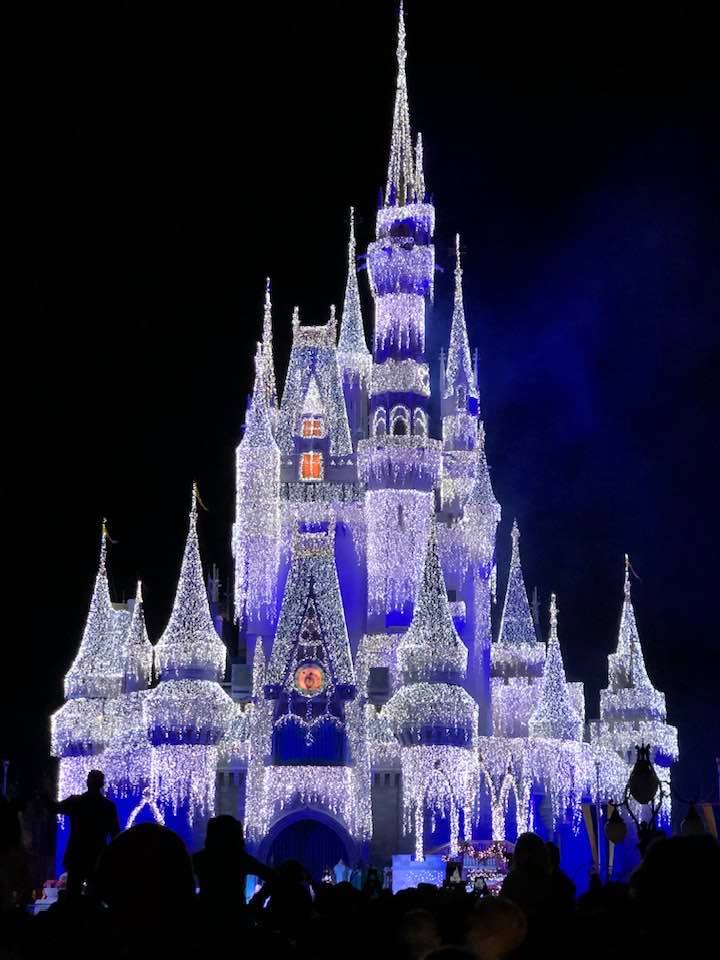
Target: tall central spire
401, 174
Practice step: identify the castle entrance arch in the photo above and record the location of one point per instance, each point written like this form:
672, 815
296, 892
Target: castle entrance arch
313, 839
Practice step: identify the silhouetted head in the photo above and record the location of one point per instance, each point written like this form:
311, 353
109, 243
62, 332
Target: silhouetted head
495, 927
530, 851
95, 781
224, 834
146, 874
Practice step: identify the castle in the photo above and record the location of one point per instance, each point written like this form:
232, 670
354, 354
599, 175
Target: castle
378, 717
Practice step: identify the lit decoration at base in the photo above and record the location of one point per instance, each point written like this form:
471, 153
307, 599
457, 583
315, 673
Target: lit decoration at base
439, 781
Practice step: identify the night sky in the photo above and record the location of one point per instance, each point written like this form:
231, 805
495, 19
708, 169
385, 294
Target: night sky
164, 162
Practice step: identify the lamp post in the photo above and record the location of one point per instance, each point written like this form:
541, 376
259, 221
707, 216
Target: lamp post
645, 788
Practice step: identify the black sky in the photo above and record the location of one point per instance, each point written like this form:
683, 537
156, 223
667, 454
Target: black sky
165, 160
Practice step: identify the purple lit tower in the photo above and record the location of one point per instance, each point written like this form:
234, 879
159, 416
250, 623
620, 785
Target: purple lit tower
368, 711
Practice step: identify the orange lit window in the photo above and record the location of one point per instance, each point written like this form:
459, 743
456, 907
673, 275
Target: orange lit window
311, 466
312, 427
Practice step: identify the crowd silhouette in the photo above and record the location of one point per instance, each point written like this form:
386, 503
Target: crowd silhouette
139, 893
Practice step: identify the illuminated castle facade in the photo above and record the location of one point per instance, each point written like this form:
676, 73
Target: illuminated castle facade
379, 716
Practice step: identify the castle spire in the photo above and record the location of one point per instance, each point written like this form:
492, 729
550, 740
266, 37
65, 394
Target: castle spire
554, 716
459, 364
138, 664
352, 332
353, 357
96, 670
258, 424
419, 171
431, 649
267, 346
481, 500
401, 176
190, 647
516, 623
629, 648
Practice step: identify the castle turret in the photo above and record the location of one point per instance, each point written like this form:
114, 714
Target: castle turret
516, 657
399, 462
256, 533
127, 757
555, 717
433, 718
137, 674
79, 730
353, 357
632, 711
188, 712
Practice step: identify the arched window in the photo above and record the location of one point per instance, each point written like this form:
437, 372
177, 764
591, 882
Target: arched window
379, 422
419, 423
461, 396
400, 421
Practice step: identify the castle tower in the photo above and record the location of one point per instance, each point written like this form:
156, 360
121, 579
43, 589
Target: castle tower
399, 462
459, 406
517, 657
127, 757
79, 729
353, 357
188, 712
632, 711
309, 679
256, 532
433, 718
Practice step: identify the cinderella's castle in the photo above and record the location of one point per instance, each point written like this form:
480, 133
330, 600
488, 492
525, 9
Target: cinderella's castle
375, 714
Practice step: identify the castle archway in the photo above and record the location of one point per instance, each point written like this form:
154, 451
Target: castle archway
311, 837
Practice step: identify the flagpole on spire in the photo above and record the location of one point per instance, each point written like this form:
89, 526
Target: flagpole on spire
626, 587
104, 537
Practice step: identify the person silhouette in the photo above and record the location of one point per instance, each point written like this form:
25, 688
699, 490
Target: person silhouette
93, 823
223, 865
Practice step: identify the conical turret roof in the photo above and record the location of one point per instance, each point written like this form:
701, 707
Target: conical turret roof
630, 693
258, 425
516, 622
139, 658
190, 647
554, 716
459, 369
97, 669
431, 648
352, 347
